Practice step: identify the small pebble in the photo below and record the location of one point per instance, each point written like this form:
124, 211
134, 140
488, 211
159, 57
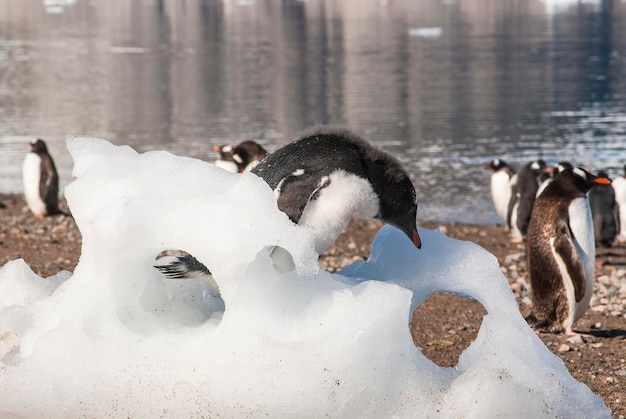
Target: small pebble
564, 348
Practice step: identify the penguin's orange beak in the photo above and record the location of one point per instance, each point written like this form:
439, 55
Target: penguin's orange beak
416, 239
602, 181
217, 148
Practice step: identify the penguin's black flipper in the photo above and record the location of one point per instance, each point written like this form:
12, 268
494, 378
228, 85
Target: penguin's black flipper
566, 248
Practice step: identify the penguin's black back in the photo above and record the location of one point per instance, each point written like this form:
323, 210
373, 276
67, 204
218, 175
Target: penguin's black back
527, 187
323, 150
49, 178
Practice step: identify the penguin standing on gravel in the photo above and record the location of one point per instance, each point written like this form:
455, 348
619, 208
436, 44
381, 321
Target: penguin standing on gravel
604, 213
526, 187
619, 186
322, 180
41, 181
560, 251
501, 189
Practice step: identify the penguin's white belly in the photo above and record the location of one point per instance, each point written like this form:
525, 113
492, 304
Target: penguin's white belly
515, 231
31, 175
331, 212
501, 193
581, 225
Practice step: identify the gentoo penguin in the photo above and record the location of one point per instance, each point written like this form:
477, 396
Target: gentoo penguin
603, 212
248, 154
241, 158
526, 186
225, 160
619, 185
560, 251
323, 179
501, 191
41, 181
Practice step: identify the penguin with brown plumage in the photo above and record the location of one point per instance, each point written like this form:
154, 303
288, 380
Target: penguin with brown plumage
41, 181
560, 251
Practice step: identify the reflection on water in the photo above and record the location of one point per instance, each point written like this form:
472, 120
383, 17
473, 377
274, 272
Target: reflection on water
444, 84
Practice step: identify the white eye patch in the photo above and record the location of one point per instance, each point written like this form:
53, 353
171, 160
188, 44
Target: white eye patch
227, 149
580, 172
535, 166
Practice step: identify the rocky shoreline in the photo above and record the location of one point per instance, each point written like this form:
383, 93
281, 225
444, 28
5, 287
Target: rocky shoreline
442, 327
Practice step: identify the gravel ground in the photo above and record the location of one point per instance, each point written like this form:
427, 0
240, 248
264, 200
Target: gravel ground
442, 327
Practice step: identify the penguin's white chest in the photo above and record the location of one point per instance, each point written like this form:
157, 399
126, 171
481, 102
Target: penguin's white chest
501, 193
31, 177
345, 196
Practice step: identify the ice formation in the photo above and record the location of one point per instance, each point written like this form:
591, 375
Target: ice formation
116, 338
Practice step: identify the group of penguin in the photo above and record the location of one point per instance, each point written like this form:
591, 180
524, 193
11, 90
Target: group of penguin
562, 213
327, 175
514, 194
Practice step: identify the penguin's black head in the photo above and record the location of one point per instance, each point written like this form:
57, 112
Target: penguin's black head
538, 167
38, 146
226, 152
398, 205
496, 164
579, 179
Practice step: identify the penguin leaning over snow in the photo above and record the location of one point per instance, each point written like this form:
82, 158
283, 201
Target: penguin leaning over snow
603, 213
41, 180
560, 251
619, 186
501, 189
322, 180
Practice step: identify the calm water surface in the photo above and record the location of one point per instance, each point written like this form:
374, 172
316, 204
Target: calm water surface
445, 85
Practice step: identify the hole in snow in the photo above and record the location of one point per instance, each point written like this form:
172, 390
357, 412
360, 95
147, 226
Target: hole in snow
445, 325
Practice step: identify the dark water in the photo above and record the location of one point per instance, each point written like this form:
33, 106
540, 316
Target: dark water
446, 85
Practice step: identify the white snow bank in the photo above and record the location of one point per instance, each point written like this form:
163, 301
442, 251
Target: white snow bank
119, 339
